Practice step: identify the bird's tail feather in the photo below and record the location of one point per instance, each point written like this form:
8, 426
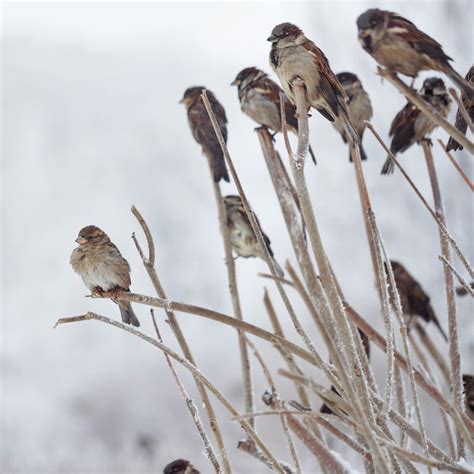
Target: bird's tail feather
312, 155
432, 317
127, 313
388, 166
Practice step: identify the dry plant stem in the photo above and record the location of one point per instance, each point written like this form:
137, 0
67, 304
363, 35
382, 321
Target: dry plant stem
191, 367
401, 402
461, 280
258, 233
193, 411
456, 165
149, 263
454, 244
278, 405
427, 109
359, 396
433, 351
454, 355
462, 108
234, 294
401, 362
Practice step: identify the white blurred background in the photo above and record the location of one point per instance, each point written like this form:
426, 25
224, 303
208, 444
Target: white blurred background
91, 125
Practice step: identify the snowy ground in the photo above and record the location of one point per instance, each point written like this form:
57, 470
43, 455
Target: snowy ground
91, 125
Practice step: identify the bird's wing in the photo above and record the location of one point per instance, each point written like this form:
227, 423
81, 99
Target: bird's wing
402, 128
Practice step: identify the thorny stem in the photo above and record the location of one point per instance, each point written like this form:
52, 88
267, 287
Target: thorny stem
443, 228
189, 366
426, 108
149, 263
454, 355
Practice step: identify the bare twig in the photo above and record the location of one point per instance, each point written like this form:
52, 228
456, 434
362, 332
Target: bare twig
426, 108
461, 280
191, 367
193, 411
454, 355
149, 263
456, 165
454, 244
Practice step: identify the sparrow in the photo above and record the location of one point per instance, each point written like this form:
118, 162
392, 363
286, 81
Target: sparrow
411, 125
461, 291
102, 268
398, 45
414, 301
460, 123
293, 55
468, 382
242, 237
202, 130
366, 344
180, 466
359, 105
259, 98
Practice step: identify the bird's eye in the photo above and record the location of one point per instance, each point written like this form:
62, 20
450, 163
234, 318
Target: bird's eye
373, 23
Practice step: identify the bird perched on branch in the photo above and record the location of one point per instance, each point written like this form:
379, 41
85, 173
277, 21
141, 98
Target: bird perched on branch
413, 299
180, 466
366, 344
411, 125
398, 45
202, 130
243, 239
468, 382
259, 98
460, 123
359, 105
102, 268
294, 56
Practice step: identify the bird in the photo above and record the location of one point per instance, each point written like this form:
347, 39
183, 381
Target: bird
259, 98
292, 56
102, 268
461, 291
180, 466
413, 299
366, 345
203, 131
411, 125
460, 123
359, 105
242, 237
399, 46
468, 383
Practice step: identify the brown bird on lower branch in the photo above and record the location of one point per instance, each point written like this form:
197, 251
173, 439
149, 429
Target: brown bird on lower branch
102, 268
203, 131
259, 98
243, 239
468, 382
414, 301
411, 125
460, 123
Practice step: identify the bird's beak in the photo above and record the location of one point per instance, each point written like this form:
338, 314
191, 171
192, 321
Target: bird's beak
181, 101
81, 240
363, 34
235, 82
272, 38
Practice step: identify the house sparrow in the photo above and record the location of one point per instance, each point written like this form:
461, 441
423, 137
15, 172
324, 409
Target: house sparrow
461, 124
359, 105
398, 45
414, 301
180, 466
260, 99
366, 344
461, 291
202, 130
244, 241
293, 55
102, 268
468, 382
411, 125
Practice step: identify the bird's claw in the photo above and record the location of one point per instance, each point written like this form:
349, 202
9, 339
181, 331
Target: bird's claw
97, 292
